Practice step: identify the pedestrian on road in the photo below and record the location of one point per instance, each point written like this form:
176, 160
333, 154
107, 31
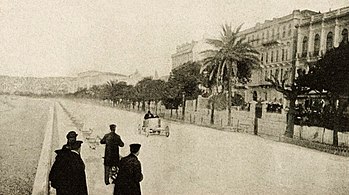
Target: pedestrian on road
71, 137
67, 174
130, 174
148, 115
111, 156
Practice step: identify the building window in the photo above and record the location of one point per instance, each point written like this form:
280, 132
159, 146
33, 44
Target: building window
257, 38
266, 57
282, 54
277, 56
289, 30
284, 32
273, 33
344, 36
262, 56
271, 74
281, 74
278, 33
252, 40
272, 57
329, 41
305, 47
316, 45
265, 75
277, 71
267, 34
263, 36
286, 54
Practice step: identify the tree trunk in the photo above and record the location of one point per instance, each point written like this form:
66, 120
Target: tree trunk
183, 108
143, 106
290, 118
230, 69
342, 105
196, 104
212, 113
156, 107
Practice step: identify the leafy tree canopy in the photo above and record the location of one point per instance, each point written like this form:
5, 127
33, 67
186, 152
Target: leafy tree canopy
331, 73
186, 78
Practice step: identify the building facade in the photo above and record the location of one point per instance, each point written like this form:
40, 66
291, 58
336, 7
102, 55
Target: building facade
184, 53
319, 33
276, 40
189, 52
298, 40
285, 44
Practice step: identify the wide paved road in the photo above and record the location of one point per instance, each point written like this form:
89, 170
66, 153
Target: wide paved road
197, 160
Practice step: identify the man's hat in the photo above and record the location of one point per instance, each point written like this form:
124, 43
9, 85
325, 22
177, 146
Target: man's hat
75, 145
135, 147
112, 125
71, 134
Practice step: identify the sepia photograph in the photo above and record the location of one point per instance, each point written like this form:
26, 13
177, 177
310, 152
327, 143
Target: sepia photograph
174, 97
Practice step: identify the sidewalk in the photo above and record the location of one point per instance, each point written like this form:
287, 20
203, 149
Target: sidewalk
92, 157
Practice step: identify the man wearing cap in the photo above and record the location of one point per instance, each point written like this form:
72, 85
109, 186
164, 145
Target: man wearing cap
112, 143
71, 137
67, 174
130, 174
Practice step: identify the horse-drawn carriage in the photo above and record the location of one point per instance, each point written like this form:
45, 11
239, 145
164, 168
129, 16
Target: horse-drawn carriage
153, 126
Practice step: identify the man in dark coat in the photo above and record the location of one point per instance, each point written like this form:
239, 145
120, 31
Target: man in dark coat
67, 174
112, 143
148, 115
71, 137
130, 174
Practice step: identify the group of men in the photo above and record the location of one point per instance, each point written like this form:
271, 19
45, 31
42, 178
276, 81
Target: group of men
68, 176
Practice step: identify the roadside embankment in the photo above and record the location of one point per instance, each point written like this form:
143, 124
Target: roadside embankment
41, 183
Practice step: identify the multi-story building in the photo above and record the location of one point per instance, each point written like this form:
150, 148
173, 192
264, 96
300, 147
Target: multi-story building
89, 78
276, 40
285, 44
184, 53
189, 52
319, 33
295, 40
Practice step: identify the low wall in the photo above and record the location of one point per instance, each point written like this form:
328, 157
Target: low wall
320, 134
41, 183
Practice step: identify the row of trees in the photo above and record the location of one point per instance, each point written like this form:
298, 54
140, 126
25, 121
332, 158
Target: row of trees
229, 63
182, 85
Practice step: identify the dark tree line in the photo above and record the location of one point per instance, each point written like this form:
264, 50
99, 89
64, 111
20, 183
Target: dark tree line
182, 85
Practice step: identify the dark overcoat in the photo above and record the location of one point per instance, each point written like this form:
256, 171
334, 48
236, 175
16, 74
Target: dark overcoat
112, 143
67, 174
129, 176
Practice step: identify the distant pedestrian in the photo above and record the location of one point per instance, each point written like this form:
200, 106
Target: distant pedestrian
148, 115
111, 156
130, 174
71, 137
67, 174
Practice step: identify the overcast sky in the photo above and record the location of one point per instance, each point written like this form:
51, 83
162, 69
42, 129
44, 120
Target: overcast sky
64, 37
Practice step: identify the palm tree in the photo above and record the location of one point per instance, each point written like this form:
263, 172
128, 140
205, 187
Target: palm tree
231, 60
211, 81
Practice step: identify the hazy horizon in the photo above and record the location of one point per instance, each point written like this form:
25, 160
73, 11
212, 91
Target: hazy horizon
62, 38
